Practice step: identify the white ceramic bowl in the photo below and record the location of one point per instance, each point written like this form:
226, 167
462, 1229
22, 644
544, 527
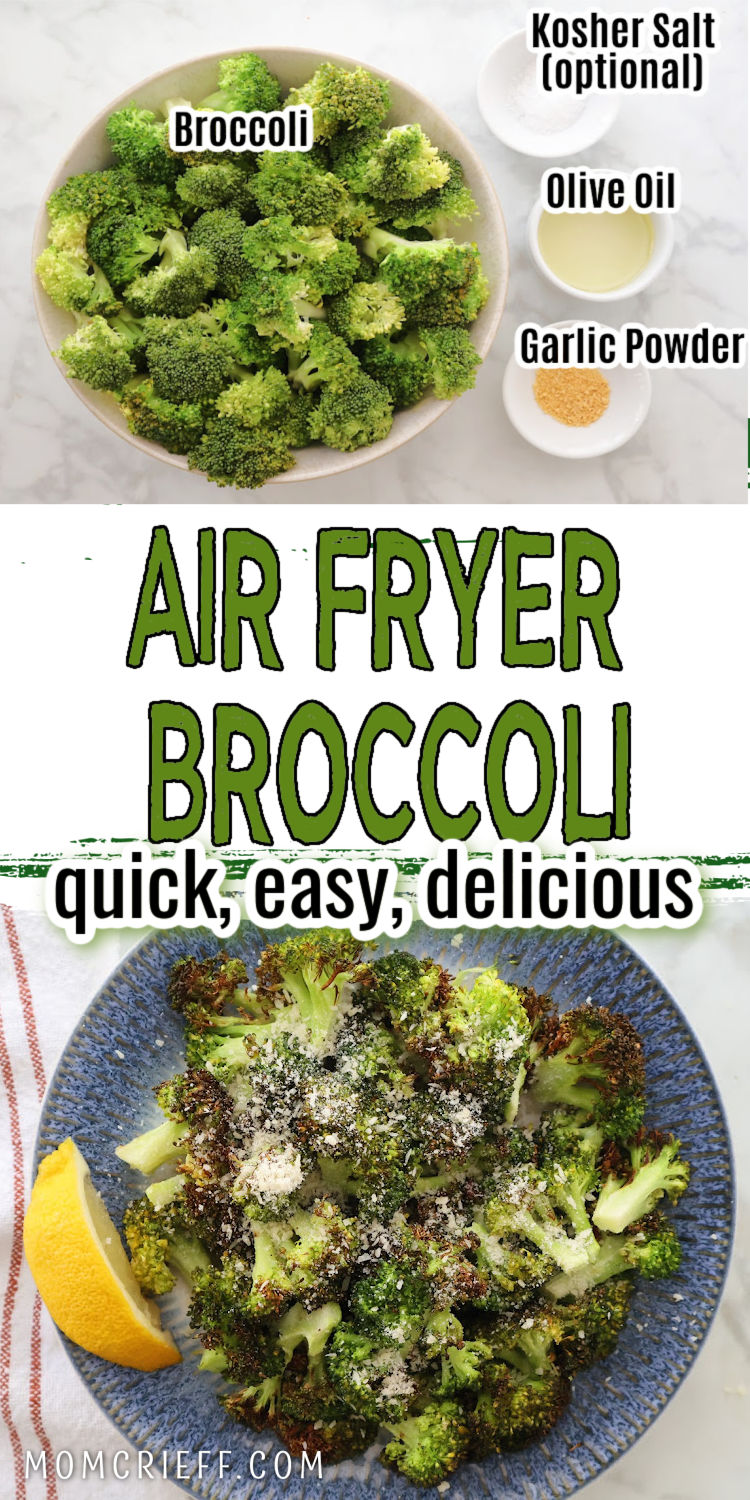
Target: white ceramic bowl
496, 98
663, 227
195, 80
629, 401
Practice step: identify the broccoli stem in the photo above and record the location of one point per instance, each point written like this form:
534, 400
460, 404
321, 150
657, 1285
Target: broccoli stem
147, 1152
621, 1205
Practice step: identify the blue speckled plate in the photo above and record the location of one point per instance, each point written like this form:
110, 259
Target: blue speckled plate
129, 1040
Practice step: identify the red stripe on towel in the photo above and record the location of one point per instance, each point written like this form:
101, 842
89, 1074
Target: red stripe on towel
35, 1052
14, 1271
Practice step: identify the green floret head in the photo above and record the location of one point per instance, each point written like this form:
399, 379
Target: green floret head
591, 1059
277, 305
438, 281
188, 364
593, 1324
637, 1177
528, 1406
176, 426
89, 194
404, 165
287, 182
342, 99
453, 360
200, 988
96, 354
148, 1244
362, 1374
426, 1448
265, 397
353, 418
139, 143
70, 281
121, 246
245, 83
221, 232
369, 308
215, 184
439, 209
401, 365
390, 1304
178, 285
487, 1037
247, 458
351, 155
649, 1246
311, 969
326, 360
526, 1206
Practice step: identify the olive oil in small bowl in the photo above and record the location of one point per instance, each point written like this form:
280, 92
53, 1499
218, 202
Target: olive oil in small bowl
600, 257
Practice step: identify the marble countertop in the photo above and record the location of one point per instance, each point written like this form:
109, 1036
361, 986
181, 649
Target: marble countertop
66, 58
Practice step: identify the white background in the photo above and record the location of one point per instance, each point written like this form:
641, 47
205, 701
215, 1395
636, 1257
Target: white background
67, 59
74, 754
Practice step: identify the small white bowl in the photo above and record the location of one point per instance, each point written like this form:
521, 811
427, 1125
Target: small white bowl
495, 96
195, 80
663, 227
629, 401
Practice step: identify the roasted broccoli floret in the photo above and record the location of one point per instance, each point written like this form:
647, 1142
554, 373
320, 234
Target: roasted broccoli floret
591, 1059
650, 1247
592, 1324
342, 99
429, 1446
313, 970
636, 1178
390, 1304
528, 1205
162, 1244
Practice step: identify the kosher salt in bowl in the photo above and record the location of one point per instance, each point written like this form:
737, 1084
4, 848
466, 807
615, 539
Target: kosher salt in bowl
197, 79
129, 1039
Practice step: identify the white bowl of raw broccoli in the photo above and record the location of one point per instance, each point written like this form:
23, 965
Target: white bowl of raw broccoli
275, 318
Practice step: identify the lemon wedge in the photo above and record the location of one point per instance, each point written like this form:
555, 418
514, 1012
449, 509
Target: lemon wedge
83, 1274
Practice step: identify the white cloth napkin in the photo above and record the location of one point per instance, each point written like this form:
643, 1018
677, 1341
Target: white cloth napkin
45, 985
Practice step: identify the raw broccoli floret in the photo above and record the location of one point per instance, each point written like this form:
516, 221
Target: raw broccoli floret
245, 83
342, 99
220, 232
404, 165
96, 354
452, 360
438, 209
176, 426
369, 308
352, 418
637, 1177
72, 282
287, 182
188, 364
277, 305
325, 360
401, 365
213, 183
123, 246
438, 281
179, 284
139, 143
256, 399
230, 453
429, 1446
591, 1059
